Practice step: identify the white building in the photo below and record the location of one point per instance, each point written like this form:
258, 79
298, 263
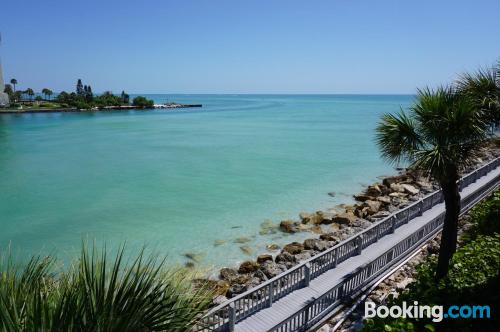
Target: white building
4, 98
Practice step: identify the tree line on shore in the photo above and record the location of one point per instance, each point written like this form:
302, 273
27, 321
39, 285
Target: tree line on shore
81, 98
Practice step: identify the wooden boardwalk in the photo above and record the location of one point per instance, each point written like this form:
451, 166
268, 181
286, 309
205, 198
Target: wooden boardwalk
304, 296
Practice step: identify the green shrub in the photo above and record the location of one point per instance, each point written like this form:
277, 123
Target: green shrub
141, 101
98, 294
473, 279
485, 217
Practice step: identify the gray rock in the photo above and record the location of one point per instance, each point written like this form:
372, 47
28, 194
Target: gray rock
293, 248
248, 267
306, 254
315, 244
219, 299
271, 269
263, 258
285, 257
410, 189
228, 273
236, 289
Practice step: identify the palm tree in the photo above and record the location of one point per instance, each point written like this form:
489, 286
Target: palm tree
30, 93
440, 135
47, 92
483, 88
13, 82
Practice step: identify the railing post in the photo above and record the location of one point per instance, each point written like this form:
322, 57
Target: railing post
393, 224
389, 256
271, 291
407, 215
306, 319
359, 243
378, 234
420, 207
232, 317
307, 274
336, 257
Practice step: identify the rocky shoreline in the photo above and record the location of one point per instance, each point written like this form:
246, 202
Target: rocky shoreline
376, 202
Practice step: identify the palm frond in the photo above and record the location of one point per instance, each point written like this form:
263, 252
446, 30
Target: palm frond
99, 293
397, 137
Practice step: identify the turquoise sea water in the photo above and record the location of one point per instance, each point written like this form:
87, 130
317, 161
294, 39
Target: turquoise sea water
177, 181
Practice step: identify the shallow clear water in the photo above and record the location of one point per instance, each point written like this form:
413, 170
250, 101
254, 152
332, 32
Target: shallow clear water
177, 181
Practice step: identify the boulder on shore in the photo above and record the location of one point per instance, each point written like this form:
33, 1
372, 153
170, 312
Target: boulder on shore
331, 237
344, 218
271, 269
384, 200
227, 273
410, 189
373, 206
315, 244
397, 187
264, 258
363, 197
285, 257
248, 267
293, 248
374, 190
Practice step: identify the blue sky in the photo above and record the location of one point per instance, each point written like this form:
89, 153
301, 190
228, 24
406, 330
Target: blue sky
258, 46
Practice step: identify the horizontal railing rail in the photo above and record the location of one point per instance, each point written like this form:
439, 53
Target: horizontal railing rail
225, 316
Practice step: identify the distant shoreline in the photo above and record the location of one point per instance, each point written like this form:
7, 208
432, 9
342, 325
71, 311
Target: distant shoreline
107, 108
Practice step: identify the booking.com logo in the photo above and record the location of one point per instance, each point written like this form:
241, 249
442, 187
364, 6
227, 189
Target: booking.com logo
436, 312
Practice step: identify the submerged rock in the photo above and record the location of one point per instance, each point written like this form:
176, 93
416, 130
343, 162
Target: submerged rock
273, 247
242, 239
289, 226
246, 249
194, 256
219, 242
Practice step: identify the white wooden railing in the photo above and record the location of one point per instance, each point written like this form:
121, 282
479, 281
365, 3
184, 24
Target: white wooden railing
224, 317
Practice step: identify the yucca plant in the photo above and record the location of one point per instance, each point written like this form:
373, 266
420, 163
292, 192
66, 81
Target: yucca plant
99, 294
440, 135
